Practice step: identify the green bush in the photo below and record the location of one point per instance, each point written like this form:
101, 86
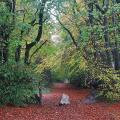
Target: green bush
110, 90
17, 84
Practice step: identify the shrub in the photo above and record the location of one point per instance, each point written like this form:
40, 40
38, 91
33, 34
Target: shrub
17, 84
110, 90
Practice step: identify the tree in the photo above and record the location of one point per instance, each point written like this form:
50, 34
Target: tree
6, 27
39, 35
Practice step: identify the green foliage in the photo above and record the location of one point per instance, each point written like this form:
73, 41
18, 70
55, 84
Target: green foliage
58, 75
80, 79
17, 84
110, 89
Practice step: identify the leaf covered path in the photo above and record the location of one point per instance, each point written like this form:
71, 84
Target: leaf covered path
51, 111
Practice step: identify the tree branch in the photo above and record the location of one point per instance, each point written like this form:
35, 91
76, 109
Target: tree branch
38, 49
65, 28
105, 7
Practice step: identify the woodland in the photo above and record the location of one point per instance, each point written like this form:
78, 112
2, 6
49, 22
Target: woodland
71, 42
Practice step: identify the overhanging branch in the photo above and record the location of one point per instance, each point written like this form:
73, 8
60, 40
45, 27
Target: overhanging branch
65, 28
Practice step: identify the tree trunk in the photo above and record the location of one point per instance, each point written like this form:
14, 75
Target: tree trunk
6, 29
39, 35
91, 24
5, 53
107, 41
18, 49
40, 96
18, 53
27, 53
116, 46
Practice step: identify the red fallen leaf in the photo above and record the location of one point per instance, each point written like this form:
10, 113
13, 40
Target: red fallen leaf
51, 111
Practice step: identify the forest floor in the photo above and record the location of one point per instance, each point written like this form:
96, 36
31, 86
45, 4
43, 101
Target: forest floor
50, 110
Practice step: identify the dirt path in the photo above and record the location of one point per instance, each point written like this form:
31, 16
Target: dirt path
51, 111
